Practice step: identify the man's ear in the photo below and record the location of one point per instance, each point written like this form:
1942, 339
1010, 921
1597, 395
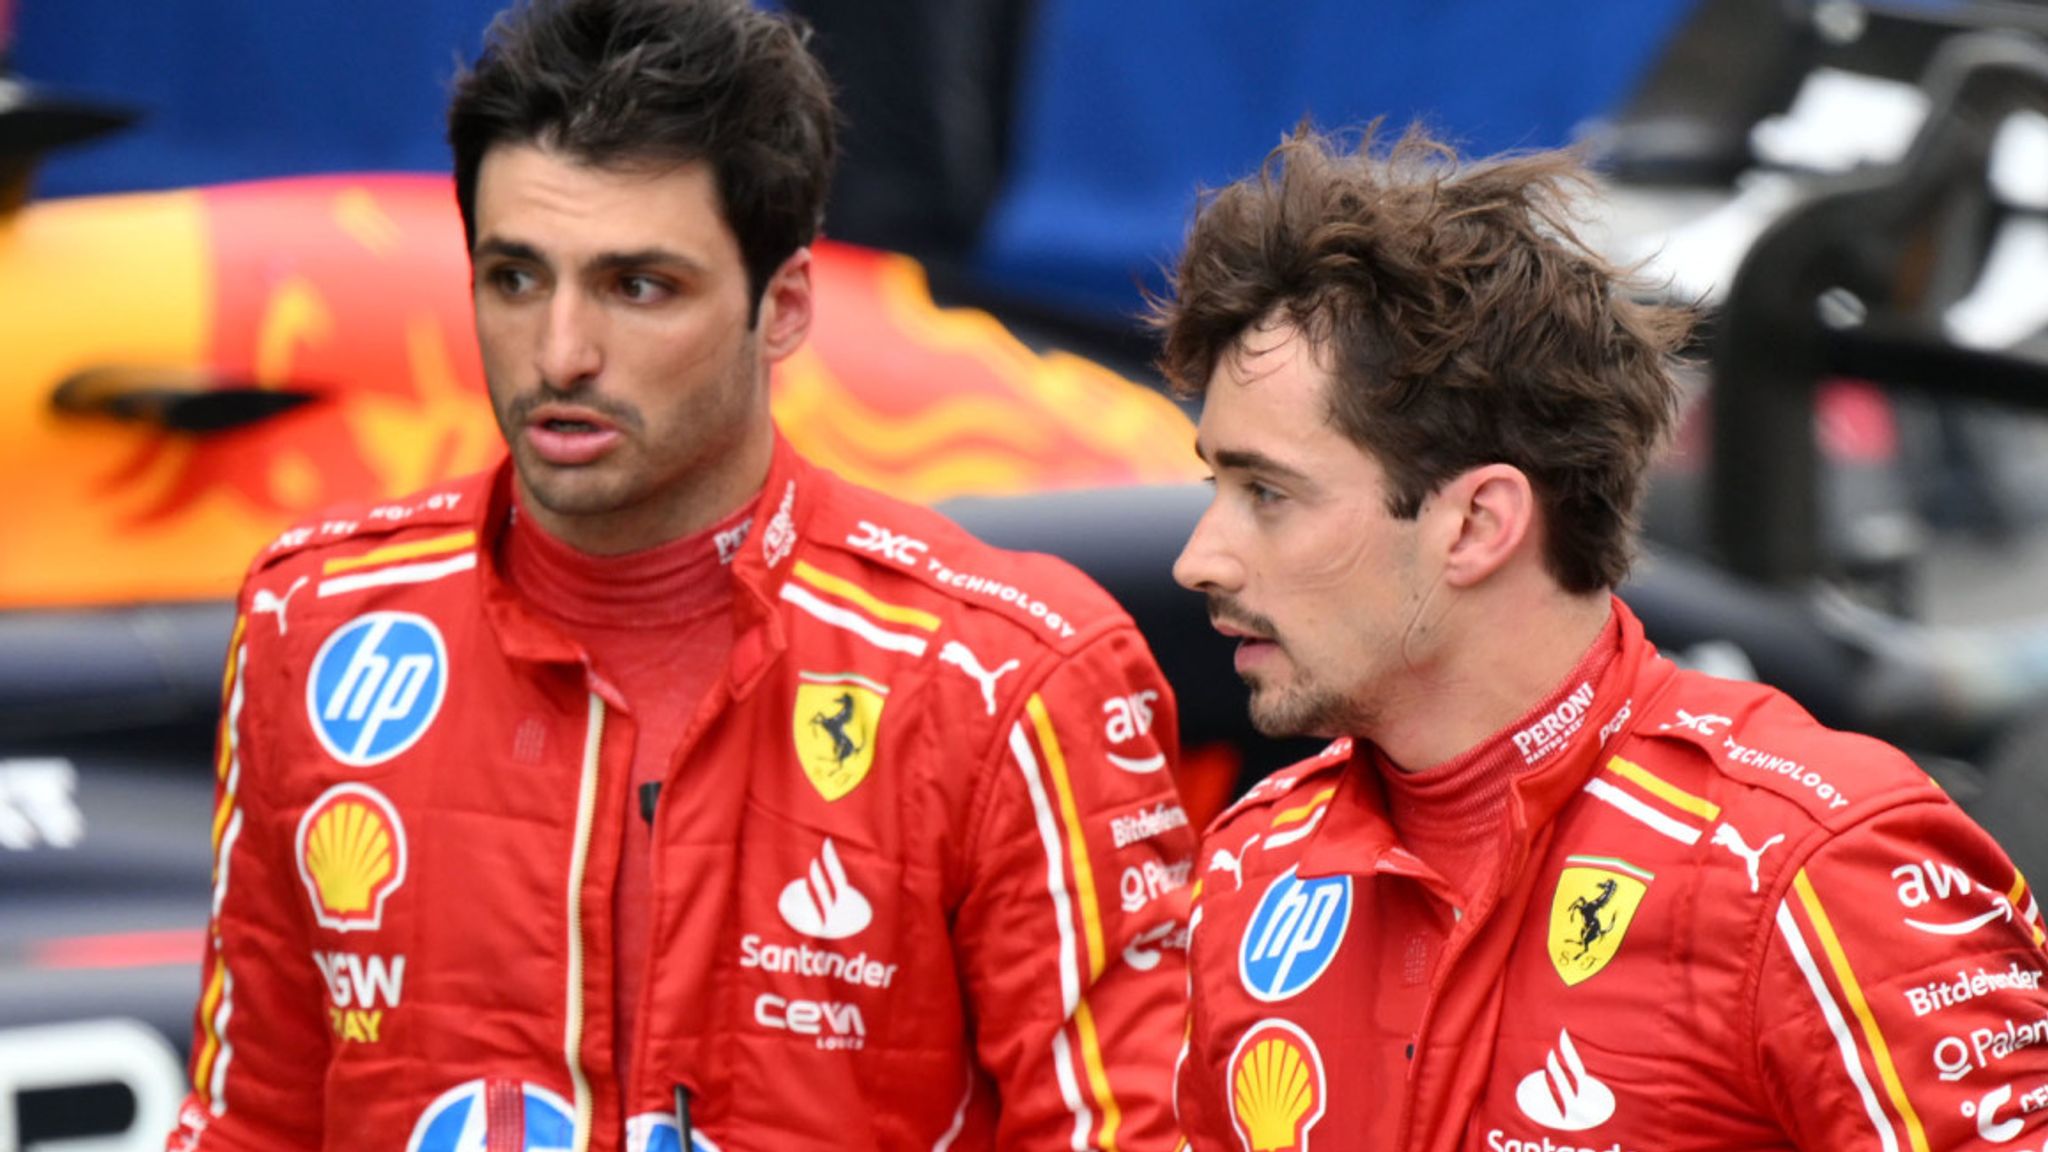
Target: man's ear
1491, 512
786, 307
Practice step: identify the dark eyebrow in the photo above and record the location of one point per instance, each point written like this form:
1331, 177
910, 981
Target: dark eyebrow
1244, 461
609, 262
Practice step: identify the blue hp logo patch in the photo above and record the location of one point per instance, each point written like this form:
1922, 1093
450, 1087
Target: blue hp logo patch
1293, 935
462, 1119
376, 686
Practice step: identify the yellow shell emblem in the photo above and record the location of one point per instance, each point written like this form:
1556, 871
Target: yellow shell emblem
1276, 1087
351, 851
834, 723
1596, 901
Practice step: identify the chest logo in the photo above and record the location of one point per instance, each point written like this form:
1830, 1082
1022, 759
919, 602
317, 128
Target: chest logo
1562, 1095
834, 725
824, 904
376, 686
1293, 935
351, 850
1276, 1087
1596, 900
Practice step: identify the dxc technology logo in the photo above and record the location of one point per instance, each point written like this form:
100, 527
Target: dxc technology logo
377, 685
1293, 935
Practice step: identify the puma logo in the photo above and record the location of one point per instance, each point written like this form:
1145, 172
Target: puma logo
268, 602
956, 654
1224, 860
1727, 837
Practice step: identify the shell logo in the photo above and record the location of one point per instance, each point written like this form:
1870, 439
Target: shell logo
1276, 1087
351, 853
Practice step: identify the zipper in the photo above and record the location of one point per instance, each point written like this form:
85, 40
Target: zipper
586, 819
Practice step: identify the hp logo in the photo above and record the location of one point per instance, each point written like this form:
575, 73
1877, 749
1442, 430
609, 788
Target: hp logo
376, 686
1293, 935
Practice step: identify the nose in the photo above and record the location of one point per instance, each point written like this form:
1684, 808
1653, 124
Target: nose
1206, 563
571, 351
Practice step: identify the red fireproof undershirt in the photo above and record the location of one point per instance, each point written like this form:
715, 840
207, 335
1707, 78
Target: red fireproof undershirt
1453, 816
657, 625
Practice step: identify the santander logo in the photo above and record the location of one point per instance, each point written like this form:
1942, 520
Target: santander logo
1563, 1096
823, 903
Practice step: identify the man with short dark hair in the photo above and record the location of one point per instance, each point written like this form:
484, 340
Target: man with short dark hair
1545, 891
659, 790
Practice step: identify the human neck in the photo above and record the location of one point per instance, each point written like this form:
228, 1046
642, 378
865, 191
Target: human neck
1503, 656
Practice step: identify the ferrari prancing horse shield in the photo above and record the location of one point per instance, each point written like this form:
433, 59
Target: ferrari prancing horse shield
1596, 899
834, 724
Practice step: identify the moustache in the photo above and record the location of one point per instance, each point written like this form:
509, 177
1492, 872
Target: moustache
1225, 610
619, 413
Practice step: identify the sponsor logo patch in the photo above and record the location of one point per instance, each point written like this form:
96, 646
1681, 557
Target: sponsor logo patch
1293, 934
1275, 1082
1939, 994
471, 1117
1562, 1095
858, 969
836, 1026
779, 540
1932, 889
376, 686
1727, 836
1146, 823
834, 724
879, 541
351, 854
1554, 729
824, 903
1596, 900
960, 656
1143, 883
362, 988
1792, 770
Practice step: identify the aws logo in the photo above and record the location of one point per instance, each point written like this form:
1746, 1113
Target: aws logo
376, 686
1275, 1081
834, 724
351, 854
472, 1117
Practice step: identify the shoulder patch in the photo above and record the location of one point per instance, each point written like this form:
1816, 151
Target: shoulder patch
1044, 594
1283, 784
1756, 735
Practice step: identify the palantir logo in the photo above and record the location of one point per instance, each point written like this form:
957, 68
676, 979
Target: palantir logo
1562, 1095
1293, 935
467, 1118
824, 903
377, 685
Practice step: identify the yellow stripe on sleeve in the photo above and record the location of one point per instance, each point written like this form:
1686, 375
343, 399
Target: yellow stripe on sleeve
880, 609
1853, 992
1664, 790
1091, 918
454, 542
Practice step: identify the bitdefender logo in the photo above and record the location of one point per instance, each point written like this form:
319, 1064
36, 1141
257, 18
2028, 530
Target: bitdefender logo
824, 903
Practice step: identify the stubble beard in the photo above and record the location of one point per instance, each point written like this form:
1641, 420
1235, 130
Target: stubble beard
1304, 708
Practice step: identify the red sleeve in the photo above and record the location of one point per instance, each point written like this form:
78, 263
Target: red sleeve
1072, 933
259, 1044
1900, 1001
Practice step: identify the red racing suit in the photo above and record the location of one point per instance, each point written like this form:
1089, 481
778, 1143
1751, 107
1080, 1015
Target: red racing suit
1719, 926
918, 869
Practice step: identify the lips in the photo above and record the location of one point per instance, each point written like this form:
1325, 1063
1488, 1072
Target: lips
569, 436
